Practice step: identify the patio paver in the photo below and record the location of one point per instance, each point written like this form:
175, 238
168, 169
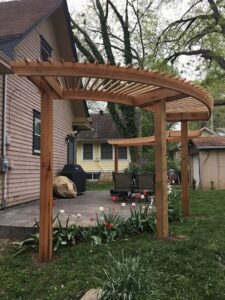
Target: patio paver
87, 205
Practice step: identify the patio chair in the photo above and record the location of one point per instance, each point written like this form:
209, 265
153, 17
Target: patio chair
122, 183
145, 182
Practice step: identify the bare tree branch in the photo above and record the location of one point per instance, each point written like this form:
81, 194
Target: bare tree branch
83, 50
207, 54
90, 43
104, 30
126, 34
140, 30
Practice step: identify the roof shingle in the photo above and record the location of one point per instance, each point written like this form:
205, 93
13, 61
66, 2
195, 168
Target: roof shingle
16, 17
103, 129
209, 142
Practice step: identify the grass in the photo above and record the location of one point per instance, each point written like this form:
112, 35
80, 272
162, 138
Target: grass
189, 269
99, 186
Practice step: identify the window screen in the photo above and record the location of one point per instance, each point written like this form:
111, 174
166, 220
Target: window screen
106, 151
36, 132
88, 151
122, 152
46, 50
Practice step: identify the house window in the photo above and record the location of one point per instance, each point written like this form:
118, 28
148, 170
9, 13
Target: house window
88, 151
93, 176
106, 151
36, 132
122, 152
46, 50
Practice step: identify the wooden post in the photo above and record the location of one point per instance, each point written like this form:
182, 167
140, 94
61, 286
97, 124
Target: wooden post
184, 168
116, 158
161, 171
46, 194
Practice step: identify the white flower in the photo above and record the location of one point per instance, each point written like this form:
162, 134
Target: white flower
143, 206
133, 204
62, 211
101, 208
78, 215
142, 197
123, 204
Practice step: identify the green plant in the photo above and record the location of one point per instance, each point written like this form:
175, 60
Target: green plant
109, 226
124, 280
142, 219
32, 241
174, 212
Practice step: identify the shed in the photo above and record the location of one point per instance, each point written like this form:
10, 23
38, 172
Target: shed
207, 162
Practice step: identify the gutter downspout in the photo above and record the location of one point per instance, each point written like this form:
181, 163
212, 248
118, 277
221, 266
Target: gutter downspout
4, 107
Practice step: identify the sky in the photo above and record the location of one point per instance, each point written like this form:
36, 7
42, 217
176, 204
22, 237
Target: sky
76, 4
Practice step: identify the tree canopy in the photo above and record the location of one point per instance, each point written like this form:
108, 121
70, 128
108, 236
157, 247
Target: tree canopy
110, 33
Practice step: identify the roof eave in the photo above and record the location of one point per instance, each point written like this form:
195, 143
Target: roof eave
210, 147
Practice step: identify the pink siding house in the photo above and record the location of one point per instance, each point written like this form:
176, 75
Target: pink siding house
35, 29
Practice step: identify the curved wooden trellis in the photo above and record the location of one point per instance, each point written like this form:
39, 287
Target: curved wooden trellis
169, 97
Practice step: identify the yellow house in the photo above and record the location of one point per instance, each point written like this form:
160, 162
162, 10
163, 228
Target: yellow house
94, 154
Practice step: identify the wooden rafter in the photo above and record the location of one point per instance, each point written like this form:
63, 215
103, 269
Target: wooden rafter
137, 87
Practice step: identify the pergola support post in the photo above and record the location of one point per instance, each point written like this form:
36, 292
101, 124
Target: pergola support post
184, 168
161, 171
46, 175
116, 158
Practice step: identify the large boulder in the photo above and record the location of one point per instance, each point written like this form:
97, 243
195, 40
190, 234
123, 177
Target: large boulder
64, 187
93, 294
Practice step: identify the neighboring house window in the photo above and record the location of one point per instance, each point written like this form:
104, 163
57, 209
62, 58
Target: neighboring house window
46, 50
122, 152
88, 151
106, 151
93, 175
36, 132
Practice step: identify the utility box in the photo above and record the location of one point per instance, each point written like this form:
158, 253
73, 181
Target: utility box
4, 164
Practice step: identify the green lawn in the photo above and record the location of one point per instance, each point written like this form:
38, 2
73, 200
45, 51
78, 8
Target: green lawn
189, 269
99, 186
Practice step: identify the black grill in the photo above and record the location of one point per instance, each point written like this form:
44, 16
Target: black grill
77, 175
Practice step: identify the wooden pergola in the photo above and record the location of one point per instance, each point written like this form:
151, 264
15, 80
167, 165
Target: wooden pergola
171, 137
169, 97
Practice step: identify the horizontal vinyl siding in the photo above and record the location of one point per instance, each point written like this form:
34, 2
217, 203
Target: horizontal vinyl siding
1, 92
63, 117
24, 177
98, 165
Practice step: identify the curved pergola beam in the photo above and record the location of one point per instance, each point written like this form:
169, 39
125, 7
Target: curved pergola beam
171, 136
122, 85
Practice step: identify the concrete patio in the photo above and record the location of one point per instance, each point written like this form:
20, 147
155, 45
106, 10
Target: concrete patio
17, 221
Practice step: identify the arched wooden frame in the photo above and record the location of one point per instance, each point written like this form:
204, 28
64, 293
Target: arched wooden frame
170, 98
171, 137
